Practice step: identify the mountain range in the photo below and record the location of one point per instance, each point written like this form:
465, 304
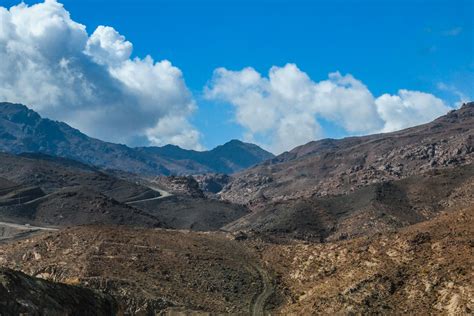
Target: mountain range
378, 224
23, 130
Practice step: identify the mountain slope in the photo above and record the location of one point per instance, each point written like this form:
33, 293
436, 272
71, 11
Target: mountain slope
23, 130
339, 166
21, 294
45, 190
146, 270
374, 208
52, 173
77, 206
423, 269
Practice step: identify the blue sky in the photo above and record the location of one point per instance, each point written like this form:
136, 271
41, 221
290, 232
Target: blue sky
388, 45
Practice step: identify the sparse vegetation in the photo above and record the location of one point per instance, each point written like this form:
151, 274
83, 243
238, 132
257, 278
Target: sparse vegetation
372, 225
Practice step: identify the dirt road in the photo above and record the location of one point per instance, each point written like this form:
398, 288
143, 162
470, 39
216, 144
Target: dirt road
11, 231
27, 227
163, 194
258, 306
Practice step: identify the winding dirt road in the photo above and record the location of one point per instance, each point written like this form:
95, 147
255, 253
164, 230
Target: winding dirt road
163, 194
258, 306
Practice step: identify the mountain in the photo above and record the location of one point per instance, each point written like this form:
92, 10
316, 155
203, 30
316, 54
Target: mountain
341, 189
44, 190
331, 166
375, 208
23, 130
380, 224
53, 173
76, 206
228, 158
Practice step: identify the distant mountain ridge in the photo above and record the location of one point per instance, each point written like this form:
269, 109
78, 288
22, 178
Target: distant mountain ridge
24, 130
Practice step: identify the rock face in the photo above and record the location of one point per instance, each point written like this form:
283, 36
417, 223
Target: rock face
339, 166
21, 294
184, 185
23, 130
212, 184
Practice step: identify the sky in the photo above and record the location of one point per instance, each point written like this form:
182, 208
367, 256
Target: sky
200, 73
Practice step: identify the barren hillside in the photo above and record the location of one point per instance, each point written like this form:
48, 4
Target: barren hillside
423, 269
330, 166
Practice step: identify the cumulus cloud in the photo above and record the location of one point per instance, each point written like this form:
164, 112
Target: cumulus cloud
408, 108
107, 47
284, 109
50, 63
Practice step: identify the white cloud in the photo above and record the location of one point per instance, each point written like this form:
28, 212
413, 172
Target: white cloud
295, 129
106, 46
49, 62
175, 130
408, 108
283, 109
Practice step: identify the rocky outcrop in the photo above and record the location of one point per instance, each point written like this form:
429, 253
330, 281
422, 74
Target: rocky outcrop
213, 183
21, 294
184, 185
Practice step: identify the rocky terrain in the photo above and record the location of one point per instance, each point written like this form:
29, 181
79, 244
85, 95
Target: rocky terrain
21, 294
198, 185
148, 271
424, 269
194, 213
419, 269
379, 224
374, 208
212, 184
23, 130
184, 185
330, 166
